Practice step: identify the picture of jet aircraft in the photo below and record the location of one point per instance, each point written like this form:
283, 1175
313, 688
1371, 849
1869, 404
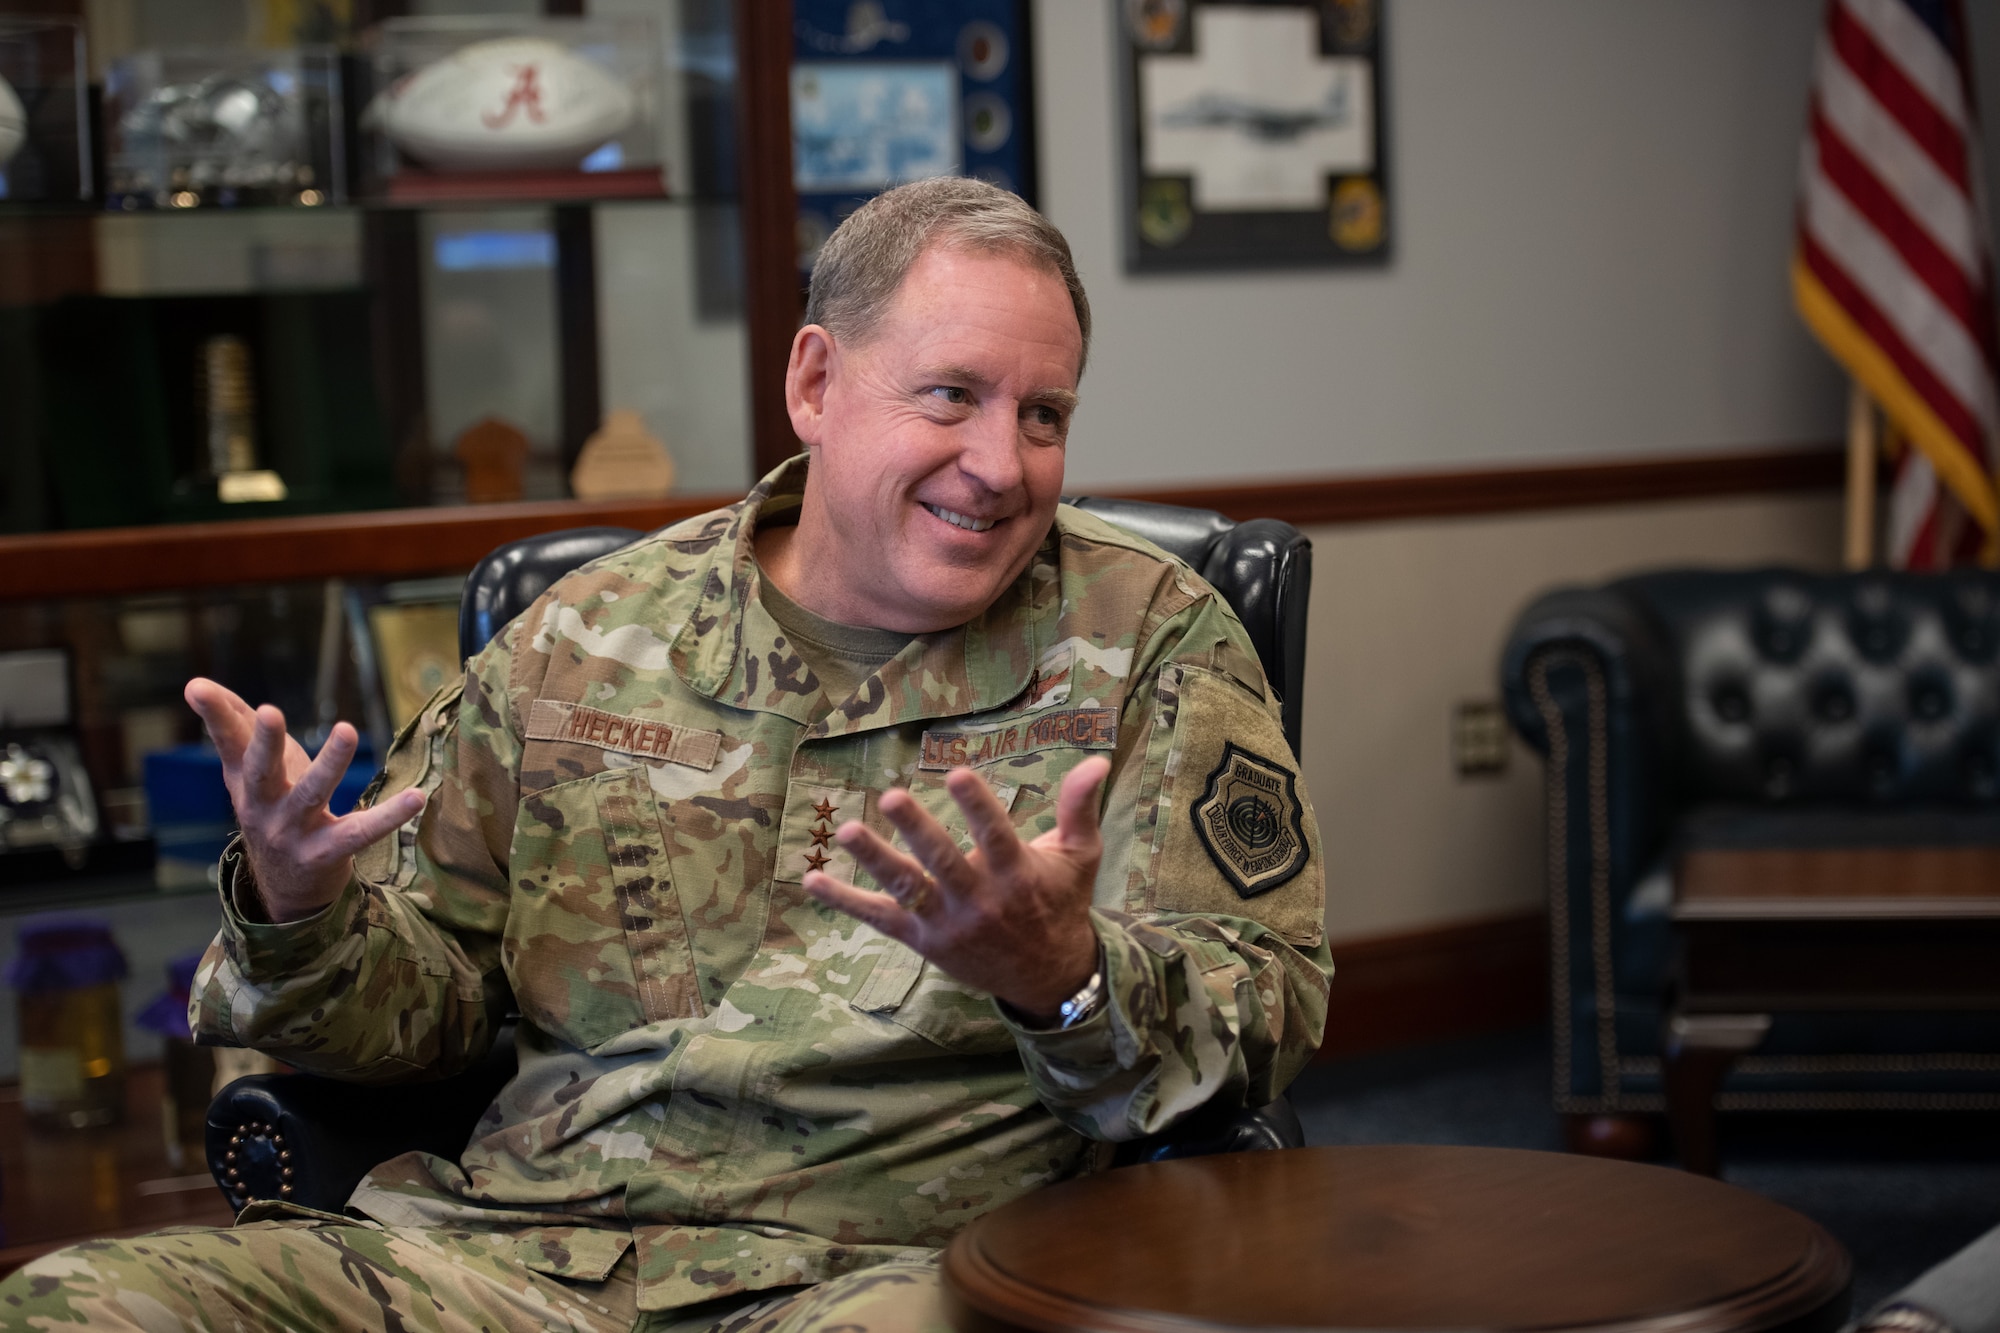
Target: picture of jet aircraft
1266, 124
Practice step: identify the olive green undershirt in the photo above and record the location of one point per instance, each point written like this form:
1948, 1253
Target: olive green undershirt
842, 656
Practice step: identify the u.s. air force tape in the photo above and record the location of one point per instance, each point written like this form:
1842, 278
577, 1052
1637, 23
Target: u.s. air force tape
1066, 728
1251, 821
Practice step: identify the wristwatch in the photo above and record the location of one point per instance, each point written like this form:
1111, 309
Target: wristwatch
1087, 1001
1904, 1319
1076, 1009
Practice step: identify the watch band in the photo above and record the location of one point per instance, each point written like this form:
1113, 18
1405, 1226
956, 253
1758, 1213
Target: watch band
1076, 1009
1086, 1001
1904, 1319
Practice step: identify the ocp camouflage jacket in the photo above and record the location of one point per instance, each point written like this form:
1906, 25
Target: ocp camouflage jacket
751, 1089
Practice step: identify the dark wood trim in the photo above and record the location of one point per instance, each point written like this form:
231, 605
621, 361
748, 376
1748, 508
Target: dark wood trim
1407, 495
394, 543
1486, 975
44, 258
771, 297
577, 367
392, 259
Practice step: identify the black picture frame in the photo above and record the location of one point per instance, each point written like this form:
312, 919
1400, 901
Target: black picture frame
988, 47
1173, 222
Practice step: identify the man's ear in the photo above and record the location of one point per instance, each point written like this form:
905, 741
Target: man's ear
806, 378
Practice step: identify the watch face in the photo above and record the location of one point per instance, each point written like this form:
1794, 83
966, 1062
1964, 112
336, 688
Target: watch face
1084, 1003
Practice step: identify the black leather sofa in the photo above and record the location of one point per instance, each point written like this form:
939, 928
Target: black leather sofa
1771, 708
309, 1140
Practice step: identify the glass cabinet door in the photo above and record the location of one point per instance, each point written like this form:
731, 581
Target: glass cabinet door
416, 328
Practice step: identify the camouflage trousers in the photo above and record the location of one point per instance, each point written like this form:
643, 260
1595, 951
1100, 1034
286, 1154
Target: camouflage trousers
314, 1276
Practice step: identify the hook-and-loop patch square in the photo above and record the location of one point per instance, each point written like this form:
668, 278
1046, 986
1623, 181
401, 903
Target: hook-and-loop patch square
1250, 819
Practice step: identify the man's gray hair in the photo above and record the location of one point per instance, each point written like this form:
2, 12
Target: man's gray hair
867, 257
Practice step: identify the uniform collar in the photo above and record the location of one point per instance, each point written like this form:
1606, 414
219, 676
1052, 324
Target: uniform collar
726, 650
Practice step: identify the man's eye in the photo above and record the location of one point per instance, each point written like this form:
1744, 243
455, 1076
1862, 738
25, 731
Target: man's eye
1045, 416
952, 393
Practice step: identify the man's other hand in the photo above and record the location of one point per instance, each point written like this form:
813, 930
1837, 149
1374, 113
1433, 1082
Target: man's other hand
1010, 918
301, 856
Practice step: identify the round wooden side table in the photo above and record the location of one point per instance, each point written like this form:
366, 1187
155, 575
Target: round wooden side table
1398, 1237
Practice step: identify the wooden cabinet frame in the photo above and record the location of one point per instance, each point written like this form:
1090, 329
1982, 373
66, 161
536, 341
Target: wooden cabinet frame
421, 540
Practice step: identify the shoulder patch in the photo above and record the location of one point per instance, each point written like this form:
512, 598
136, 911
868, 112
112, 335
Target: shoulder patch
1250, 819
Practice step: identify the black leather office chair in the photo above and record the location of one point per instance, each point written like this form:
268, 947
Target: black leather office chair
310, 1139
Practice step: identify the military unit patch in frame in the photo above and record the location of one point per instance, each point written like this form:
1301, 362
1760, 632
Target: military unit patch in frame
1251, 821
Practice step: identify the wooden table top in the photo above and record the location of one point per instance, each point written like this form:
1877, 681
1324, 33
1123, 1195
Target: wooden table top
1396, 1237
58, 1187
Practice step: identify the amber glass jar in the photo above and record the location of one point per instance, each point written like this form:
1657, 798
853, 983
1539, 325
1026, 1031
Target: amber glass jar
190, 1069
67, 971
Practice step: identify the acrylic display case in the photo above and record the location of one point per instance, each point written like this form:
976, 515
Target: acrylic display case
44, 111
209, 127
504, 107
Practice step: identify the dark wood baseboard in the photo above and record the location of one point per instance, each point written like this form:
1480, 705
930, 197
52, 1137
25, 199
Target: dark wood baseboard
1431, 985
1406, 495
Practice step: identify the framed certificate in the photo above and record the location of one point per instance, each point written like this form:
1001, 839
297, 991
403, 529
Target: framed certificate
1253, 134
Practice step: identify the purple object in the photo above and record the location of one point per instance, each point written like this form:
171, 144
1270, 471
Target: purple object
65, 953
168, 1013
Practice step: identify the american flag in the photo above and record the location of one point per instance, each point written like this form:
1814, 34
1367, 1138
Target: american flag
1891, 268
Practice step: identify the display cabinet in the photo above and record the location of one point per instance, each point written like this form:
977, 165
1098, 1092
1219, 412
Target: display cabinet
372, 338
247, 273
185, 126
44, 111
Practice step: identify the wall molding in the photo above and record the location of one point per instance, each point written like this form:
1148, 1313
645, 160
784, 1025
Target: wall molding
1410, 495
402, 542
1484, 975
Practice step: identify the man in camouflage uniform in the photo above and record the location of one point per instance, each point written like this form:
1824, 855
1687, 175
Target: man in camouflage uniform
858, 858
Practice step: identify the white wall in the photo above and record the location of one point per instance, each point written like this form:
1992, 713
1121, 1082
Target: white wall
1407, 621
1591, 209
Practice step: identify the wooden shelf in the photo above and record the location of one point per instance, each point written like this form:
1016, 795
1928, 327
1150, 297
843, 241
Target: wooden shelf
477, 188
384, 544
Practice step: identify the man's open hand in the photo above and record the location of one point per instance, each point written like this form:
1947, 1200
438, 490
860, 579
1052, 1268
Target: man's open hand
1010, 918
300, 855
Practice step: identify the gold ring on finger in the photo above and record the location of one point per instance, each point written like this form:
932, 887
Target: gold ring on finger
919, 897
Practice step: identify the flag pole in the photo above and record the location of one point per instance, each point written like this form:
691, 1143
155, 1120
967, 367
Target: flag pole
1862, 450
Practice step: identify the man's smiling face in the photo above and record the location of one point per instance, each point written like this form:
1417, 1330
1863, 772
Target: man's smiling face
938, 443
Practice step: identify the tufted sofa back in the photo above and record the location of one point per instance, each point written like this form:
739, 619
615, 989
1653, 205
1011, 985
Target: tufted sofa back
1868, 688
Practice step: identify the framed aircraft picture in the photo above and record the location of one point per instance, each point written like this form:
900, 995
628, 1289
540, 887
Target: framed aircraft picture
1253, 134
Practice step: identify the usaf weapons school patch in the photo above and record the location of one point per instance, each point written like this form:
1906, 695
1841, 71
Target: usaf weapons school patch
1250, 820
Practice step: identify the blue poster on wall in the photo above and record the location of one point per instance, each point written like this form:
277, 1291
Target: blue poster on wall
888, 91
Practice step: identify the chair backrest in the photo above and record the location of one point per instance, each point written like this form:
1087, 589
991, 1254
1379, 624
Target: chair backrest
1858, 688
1262, 567
508, 580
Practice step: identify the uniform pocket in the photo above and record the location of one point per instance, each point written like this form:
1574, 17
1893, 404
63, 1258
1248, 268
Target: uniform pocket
575, 1254
415, 759
946, 1012
595, 943
918, 995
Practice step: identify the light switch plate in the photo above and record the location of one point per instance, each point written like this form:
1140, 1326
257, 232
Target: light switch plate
1479, 740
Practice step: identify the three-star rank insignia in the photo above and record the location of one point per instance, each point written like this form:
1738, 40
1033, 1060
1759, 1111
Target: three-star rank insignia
806, 842
1251, 821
